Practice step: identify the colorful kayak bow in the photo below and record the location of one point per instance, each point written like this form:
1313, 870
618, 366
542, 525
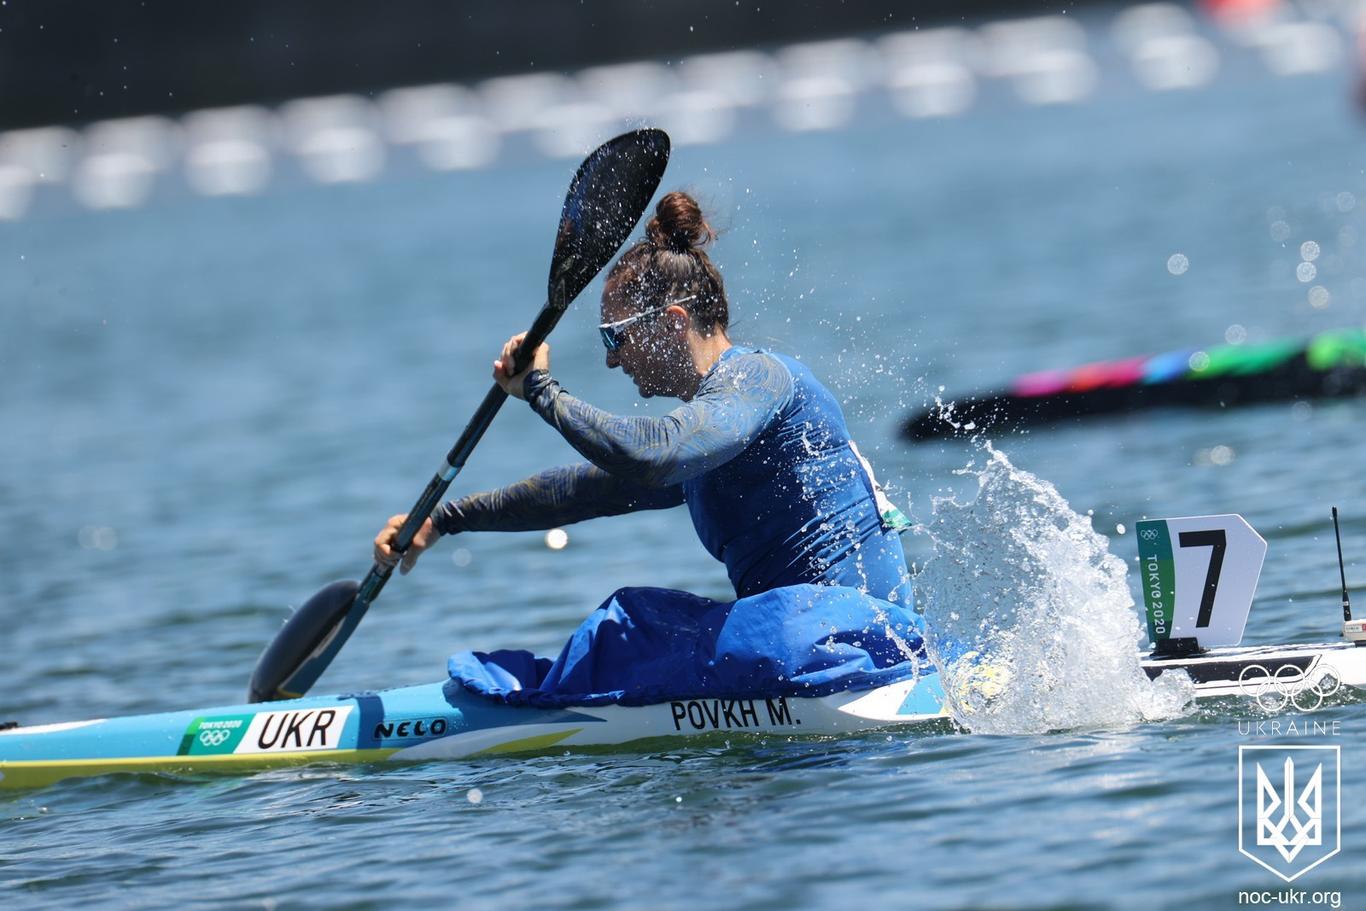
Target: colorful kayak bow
1329, 365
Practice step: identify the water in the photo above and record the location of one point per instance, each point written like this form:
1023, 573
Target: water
1037, 631
212, 406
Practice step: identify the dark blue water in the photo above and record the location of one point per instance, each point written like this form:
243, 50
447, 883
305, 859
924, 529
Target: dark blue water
211, 406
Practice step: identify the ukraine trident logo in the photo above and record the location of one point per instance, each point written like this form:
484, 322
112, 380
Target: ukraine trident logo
1297, 825
1284, 821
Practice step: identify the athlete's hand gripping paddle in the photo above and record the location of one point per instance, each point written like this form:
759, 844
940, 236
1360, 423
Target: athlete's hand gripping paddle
606, 199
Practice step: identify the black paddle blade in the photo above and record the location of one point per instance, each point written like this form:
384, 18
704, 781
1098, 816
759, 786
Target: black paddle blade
300, 651
607, 197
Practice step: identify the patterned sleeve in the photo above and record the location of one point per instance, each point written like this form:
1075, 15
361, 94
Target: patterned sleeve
560, 496
734, 404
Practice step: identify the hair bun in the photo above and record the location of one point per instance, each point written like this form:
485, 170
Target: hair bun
677, 224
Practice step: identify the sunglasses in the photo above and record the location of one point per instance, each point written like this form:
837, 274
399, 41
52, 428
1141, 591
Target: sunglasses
614, 334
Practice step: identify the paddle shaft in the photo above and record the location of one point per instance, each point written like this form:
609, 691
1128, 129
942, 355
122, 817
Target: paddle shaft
318, 638
436, 488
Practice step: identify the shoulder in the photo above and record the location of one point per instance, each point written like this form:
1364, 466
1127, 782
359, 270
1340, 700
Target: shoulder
751, 373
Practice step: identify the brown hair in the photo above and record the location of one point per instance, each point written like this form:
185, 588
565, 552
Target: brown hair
670, 264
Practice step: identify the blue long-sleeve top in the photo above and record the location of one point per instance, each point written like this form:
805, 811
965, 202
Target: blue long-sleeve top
761, 455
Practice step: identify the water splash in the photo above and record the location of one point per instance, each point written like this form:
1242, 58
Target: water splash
1031, 619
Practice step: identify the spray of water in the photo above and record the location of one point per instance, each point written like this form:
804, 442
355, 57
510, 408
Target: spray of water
1031, 621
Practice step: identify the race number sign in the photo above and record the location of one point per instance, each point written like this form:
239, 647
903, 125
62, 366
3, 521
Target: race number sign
1198, 577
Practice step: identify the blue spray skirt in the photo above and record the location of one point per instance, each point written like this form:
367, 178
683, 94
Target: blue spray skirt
645, 646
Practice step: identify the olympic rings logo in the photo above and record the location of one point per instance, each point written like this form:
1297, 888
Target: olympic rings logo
1149, 534
1290, 685
214, 737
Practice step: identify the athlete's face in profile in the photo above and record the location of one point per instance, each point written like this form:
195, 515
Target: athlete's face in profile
648, 343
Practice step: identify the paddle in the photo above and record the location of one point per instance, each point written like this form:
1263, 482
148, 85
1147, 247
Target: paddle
608, 195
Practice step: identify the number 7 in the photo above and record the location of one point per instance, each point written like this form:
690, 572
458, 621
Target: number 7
1218, 542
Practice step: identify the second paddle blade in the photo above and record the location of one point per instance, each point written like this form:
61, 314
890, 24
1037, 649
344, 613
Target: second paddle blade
607, 197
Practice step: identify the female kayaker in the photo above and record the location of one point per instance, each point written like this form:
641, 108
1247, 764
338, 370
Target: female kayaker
759, 450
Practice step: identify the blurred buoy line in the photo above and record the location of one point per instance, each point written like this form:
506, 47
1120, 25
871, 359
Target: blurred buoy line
923, 73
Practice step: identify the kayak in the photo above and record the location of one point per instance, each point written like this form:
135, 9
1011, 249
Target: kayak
419, 723
443, 721
1328, 365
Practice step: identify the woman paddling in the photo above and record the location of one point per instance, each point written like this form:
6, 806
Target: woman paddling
760, 454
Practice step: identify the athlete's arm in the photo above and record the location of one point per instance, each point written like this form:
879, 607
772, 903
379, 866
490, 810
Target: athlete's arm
733, 406
560, 496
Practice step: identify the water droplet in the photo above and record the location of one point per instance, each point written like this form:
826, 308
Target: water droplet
1319, 297
1280, 231
1235, 334
460, 557
556, 538
474, 795
1177, 264
1119, 528
1346, 201
1306, 272
1221, 455
1309, 251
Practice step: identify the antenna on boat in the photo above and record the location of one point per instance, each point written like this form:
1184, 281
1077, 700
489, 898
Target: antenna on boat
1352, 631
1342, 572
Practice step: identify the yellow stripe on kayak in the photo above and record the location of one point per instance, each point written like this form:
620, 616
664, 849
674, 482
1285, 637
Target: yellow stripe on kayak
42, 772
529, 744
